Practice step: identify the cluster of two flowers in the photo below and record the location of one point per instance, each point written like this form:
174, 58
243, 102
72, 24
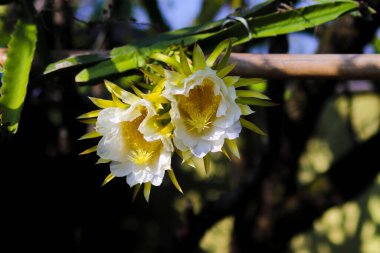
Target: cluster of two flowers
192, 111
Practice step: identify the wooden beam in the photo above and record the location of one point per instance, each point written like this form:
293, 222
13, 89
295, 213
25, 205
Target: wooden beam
308, 66
285, 66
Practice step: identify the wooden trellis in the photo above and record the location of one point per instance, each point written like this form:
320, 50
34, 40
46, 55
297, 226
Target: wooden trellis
308, 66
286, 66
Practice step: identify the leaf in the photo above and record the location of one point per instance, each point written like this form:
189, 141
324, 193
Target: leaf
90, 135
255, 101
251, 94
217, 51
87, 121
232, 146
126, 81
249, 125
117, 64
117, 102
152, 77
225, 71
184, 63
230, 80
16, 72
166, 59
186, 156
108, 179
174, 180
155, 97
207, 163
75, 61
158, 69
226, 56
90, 150
293, 20
186, 36
138, 92
248, 81
91, 114
147, 187
101, 103
135, 191
226, 153
145, 85
126, 96
261, 25
114, 88
198, 163
245, 109
102, 160
199, 61
167, 129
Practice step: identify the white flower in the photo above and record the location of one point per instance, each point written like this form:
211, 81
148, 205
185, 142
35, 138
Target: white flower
204, 111
133, 144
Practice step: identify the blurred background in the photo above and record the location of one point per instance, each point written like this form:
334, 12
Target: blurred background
311, 186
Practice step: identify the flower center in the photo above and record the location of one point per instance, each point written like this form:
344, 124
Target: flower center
141, 152
199, 107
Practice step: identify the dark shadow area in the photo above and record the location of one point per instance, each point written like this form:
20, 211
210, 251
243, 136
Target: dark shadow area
52, 199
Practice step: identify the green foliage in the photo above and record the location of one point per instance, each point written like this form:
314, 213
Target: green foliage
259, 22
81, 60
16, 72
134, 58
297, 20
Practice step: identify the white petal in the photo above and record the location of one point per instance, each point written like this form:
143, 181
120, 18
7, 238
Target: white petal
131, 180
232, 93
146, 176
181, 135
226, 124
129, 98
132, 112
222, 86
234, 131
139, 176
110, 147
157, 179
120, 169
215, 133
223, 107
233, 114
147, 173
179, 144
217, 146
202, 148
164, 161
107, 119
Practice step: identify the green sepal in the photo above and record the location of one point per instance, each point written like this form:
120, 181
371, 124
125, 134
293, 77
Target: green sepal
249, 125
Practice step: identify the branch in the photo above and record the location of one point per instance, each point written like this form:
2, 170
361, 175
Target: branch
308, 66
283, 66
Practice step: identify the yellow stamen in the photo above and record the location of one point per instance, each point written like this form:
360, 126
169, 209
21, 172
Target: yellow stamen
140, 151
199, 107
140, 156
